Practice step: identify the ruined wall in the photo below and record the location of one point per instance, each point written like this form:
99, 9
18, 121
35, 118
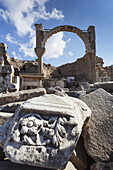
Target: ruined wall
102, 73
109, 71
7, 79
80, 69
4, 57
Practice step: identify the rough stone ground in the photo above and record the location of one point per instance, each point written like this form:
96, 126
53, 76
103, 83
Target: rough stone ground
57, 91
75, 109
98, 134
108, 86
10, 107
8, 165
102, 166
21, 95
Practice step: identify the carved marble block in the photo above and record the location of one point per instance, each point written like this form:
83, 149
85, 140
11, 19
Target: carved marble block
44, 131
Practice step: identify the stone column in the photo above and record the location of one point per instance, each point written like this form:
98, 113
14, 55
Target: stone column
39, 50
2, 53
92, 53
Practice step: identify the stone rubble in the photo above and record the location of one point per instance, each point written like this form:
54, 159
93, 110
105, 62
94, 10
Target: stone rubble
98, 133
44, 131
102, 166
21, 95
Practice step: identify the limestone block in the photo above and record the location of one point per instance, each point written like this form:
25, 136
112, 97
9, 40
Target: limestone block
44, 131
10, 107
102, 166
21, 95
56, 90
84, 86
98, 134
76, 94
108, 86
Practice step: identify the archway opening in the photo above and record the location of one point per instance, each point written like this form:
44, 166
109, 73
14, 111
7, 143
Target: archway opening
63, 47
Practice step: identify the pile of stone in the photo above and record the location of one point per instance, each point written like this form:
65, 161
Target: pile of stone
55, 131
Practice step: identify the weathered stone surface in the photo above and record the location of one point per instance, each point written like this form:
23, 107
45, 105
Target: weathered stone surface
21, 95
8, 165
44, 131
108, 86
10, 107
56, 90
98, 134
76, 94
102, 166
83, 86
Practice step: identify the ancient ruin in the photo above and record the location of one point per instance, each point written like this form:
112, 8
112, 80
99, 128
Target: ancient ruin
67, 125
88, 37
44, 131
89, 68
8, 82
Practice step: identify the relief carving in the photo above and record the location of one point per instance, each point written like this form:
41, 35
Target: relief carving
44, 131
33, 129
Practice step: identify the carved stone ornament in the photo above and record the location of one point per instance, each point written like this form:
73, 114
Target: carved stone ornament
44, 131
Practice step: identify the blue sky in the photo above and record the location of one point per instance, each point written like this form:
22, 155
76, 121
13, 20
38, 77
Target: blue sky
17, 30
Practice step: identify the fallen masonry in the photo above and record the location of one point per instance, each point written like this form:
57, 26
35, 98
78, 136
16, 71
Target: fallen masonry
44, 131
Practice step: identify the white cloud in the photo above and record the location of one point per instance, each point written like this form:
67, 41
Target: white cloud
70, 53
56, 14
4, 14
16, 56
28, 48
68, 40
55, 46
23, 14
11, 39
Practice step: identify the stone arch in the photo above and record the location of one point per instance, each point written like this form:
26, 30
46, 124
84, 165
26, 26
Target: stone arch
87, 36
67, 28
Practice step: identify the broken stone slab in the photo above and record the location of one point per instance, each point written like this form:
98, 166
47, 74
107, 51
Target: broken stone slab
56, 90
44, 131
21, 95
108, 86
98, 134
102, 166
10, 107
83, 86
76, 94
